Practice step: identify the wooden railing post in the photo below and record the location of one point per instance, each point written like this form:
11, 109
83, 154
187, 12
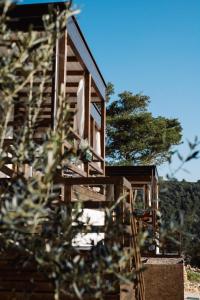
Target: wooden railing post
60, 73
88, 81
103, 128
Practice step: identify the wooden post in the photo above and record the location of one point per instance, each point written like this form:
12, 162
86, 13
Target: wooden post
118, 192
62, 69
67, 194
103, 128
60, 73
88, 80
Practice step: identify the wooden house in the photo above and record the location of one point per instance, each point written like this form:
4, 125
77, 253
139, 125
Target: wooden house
74, 67
97, 187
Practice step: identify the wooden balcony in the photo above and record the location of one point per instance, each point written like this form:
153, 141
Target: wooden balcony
96, 194
144, 181
73, 66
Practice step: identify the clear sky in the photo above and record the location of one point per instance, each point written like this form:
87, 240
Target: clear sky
153, 47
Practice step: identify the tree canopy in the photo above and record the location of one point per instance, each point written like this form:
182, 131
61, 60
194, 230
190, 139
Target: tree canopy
134, 135
180, 207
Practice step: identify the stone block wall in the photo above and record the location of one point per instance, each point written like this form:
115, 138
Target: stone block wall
164, 280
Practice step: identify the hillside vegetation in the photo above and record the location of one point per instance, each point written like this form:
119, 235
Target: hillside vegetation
180, 207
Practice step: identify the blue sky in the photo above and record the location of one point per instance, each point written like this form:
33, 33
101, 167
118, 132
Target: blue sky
153, 47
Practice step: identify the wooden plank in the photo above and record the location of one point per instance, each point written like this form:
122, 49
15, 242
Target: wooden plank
62, 71
87, 106
8, 295
95, 204
72, 84
84, 194
9, 172
76, 170
59, 77
103, 130
75, 73
25, 286
89, 180
79, 46
74, 95
72, 59
96, 168
88, 80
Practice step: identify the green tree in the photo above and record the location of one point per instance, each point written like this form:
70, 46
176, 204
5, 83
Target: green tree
180, 208
134, 135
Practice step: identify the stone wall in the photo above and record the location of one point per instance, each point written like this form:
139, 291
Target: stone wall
164, 280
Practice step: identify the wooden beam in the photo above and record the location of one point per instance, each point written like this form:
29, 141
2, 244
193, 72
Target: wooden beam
54, 83
88, 86
72, 84
96, 168
95, 204
72, 59
67, 194
73, 48
103, 129
62, 71
95, 181
76, 170
75, 73
81, 193
7, 171
59, 70
97, 91
87, 105
75, 95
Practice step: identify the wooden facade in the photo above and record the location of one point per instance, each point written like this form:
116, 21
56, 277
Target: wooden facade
144, 181
97, 186
145, 185
74, 67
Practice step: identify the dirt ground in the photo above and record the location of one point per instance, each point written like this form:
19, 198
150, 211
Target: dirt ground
191, 289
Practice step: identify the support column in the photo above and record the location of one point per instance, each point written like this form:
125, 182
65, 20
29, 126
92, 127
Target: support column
88, 80
103, 128
60, 73
62, 63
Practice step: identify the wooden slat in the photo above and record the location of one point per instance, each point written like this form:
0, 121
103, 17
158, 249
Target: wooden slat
95, 204
86, 194
87, 106
103, 130
72, 59
7, 171
96, 167
89, 180
76, 170
75, 73
74, 95
72, 84
88, 80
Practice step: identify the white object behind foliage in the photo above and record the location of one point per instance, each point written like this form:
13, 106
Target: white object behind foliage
90, 217
80, 114
98, 145
98, 142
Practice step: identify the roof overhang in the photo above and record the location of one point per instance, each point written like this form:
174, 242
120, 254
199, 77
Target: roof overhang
81, 46
24, 15
136, 173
